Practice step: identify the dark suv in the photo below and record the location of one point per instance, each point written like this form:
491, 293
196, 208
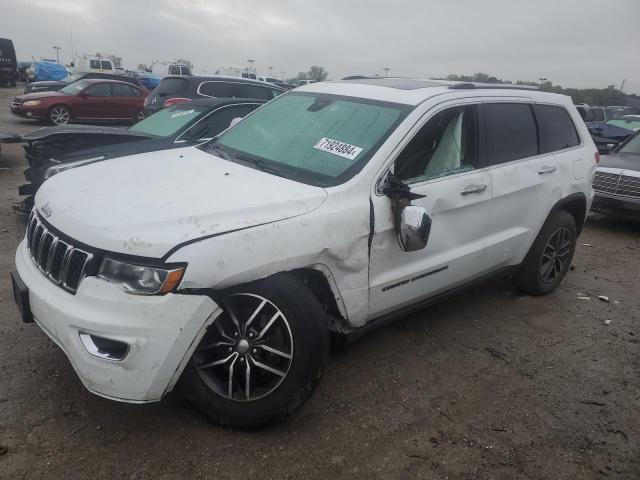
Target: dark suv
8, 63
176, 89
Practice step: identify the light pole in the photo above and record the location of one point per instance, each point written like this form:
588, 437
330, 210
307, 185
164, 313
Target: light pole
543, 81
250, 65
282, 73
57, 49
270, 70
386, 71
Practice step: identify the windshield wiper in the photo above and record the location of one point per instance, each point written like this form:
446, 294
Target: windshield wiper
261, 164
217, 148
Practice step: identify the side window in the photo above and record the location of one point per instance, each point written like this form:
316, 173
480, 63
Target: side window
221, 119
99, 90
594, 115
511, 132
106, 65
218, 89
185, 71
120, 90
94, 64
174, 70
256, 91
447, 144
556, 128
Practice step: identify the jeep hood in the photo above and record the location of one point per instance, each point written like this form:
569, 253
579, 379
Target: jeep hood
148, 204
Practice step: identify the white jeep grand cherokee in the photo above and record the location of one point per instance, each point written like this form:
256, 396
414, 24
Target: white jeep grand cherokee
223, 268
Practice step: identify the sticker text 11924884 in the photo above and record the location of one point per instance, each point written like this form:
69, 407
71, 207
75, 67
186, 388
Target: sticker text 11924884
339, 148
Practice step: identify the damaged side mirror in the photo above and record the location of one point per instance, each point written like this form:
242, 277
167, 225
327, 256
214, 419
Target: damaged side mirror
412, 223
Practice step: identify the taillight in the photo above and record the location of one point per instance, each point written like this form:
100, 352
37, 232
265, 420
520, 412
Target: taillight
175, 101
597, 156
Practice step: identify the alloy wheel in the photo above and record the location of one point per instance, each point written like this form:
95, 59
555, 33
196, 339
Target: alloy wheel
248, 350
555, 255
60, 116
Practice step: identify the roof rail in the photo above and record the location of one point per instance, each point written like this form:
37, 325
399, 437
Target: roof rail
505, 86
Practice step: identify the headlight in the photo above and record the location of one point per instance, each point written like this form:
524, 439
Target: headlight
140, 279
31, 103
54, 170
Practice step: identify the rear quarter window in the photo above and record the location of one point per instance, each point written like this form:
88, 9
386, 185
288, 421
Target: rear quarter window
172, 86
511, 132
557, 130
218, 89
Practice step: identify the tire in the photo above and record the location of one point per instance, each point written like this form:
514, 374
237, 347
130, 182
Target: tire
59, 115
270, 396
550, 256
139, 116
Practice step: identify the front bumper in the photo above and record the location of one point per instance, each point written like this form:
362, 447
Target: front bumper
161, 331
616, 205
26, 112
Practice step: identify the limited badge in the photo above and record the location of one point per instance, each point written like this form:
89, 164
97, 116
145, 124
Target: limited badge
337, 147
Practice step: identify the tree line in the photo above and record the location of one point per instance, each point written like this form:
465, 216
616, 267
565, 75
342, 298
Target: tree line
590, 96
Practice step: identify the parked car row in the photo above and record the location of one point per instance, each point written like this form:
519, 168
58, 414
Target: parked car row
52, 150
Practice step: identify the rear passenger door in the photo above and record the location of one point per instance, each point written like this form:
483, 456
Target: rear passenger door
127, 101
526, 182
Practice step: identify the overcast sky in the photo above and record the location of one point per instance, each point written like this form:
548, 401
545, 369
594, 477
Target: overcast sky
577, 43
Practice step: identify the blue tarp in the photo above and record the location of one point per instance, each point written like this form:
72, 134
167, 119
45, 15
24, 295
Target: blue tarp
44, 71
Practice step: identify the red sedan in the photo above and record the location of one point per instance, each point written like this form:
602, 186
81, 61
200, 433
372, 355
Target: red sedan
94, 100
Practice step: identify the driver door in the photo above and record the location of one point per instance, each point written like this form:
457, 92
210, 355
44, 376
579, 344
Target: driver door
442, 162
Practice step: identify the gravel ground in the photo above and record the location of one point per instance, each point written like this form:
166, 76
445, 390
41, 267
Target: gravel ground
490, 384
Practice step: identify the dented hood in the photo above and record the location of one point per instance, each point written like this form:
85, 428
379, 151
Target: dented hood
148, 204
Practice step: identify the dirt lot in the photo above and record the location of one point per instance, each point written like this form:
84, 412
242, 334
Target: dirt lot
488, 385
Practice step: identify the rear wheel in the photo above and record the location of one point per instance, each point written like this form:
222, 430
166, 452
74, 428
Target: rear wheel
550, 256
59, 115
261, 358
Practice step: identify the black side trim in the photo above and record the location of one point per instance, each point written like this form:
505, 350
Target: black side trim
385, 319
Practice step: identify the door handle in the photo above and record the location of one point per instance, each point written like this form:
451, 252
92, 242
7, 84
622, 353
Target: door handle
469, 189
547, 169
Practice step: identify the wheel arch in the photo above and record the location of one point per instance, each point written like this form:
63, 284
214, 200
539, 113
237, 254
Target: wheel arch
575, 205
322, 283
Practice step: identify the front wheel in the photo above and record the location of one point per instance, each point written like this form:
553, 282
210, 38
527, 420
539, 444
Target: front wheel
262, 357
550, 257
59, 115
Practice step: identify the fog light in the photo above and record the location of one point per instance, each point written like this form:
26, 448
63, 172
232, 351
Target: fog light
105, 348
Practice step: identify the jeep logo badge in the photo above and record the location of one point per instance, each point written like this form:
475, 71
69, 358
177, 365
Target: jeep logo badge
46, 210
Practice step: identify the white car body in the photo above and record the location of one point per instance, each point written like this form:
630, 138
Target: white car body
232, 224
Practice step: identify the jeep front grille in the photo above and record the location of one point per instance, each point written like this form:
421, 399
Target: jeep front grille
617, 184
58, 259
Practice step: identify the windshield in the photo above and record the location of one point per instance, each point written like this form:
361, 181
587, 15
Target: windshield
169, 120
630, 123
315, 138
76, 87
632, 146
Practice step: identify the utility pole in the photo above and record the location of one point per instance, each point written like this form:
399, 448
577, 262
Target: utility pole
386, 71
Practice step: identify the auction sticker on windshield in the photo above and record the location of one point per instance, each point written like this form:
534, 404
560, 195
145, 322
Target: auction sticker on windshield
182, 113
337, 147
